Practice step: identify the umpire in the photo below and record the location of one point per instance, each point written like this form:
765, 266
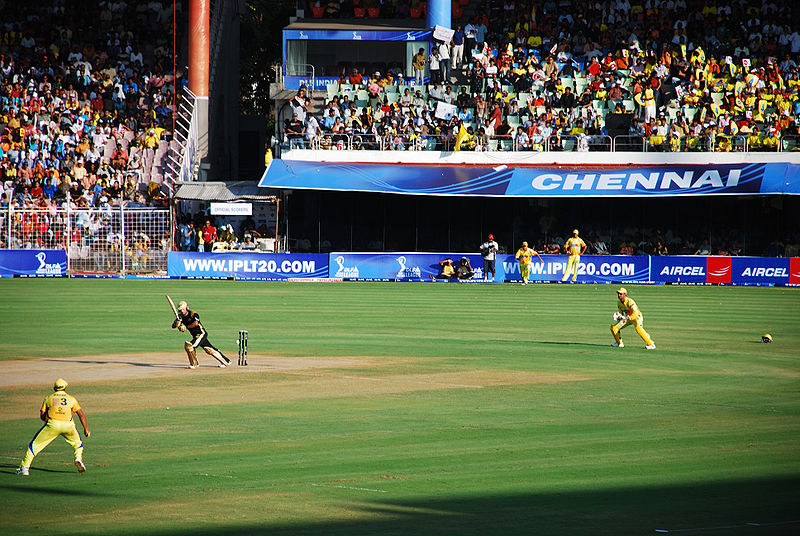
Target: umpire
190, 321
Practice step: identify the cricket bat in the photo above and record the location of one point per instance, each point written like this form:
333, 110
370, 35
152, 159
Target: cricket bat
172, 305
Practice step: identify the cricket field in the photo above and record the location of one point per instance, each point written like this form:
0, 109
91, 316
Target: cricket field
404, 409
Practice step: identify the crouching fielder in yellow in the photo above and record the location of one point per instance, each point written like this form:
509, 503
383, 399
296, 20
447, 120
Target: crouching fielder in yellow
629, 314
56, 412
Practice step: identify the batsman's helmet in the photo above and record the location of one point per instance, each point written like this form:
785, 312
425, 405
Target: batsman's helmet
491, 237
766, 337
60, 385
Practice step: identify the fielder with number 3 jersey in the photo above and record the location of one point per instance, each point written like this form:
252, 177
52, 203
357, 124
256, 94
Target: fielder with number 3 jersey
56, 412
190, 321
629, 313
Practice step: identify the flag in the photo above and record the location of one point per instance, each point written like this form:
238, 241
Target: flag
462, 135
738, 87
701, 55
553, 50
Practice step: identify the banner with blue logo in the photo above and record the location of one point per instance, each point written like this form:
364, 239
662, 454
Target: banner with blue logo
397, 266
760, 271
33, 262
592, 268
357, 35
691, 269
723, 179
244, 265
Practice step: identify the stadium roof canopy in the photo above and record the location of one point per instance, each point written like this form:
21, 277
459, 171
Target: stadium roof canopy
222, 192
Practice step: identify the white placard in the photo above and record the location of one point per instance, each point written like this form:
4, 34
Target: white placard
443, 34
232, 209
445, 111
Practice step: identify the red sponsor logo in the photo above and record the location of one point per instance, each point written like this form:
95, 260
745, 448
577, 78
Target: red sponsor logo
794, 270
718, 270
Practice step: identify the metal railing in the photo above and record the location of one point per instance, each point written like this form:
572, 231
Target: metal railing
182, 153
115, 239
558, 143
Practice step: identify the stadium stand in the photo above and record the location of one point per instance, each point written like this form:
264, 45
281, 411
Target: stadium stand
573, 76
87, 98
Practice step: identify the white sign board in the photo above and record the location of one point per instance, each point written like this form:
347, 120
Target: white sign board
232, 209
443, 34
445, 111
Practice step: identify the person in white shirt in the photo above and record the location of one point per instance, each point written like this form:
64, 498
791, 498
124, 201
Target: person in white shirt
312, 128
489, 254
444, 61
434, 67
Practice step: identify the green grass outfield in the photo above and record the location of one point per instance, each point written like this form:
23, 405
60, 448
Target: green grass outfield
463, 410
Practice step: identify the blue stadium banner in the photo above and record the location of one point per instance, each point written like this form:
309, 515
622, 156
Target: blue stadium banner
319, 82
592, 268
33, 262
356, 35
760, 271
396, 266
691, 269
668, 180
245, 265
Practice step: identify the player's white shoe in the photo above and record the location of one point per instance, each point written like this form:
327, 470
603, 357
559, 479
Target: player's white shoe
650, 347
80, 466
24, 471
619, 344
192, 366
222, 365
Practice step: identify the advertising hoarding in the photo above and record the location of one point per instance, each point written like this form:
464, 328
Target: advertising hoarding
33, 263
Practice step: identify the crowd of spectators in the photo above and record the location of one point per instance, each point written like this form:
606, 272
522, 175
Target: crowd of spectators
532, 74
199, 233
87, 95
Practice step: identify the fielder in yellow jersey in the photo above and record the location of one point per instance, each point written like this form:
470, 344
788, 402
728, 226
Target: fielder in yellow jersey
575, 247
56, 412
628, 314
524, 255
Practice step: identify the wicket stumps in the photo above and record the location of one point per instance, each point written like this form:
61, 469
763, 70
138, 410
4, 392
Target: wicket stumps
242, 344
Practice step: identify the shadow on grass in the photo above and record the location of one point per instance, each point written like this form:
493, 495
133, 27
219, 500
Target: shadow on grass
744, 507
100, 362
570, 343
26, 486
12, 469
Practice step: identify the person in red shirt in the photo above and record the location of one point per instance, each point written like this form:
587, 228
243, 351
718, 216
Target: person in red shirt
209, 233
37, 191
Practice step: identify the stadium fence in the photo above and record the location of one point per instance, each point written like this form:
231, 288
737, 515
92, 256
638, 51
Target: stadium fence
100, 240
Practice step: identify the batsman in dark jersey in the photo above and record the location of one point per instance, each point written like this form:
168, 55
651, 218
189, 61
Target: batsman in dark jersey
190, 321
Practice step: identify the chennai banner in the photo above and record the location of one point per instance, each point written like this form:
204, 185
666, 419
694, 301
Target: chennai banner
645, 181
